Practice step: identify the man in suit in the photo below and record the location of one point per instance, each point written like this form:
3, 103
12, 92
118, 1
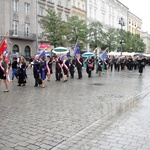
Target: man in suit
79, 65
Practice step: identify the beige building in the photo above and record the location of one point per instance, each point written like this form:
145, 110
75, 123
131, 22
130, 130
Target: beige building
18, 21
62, 7
134, 23
146, 38
78, 8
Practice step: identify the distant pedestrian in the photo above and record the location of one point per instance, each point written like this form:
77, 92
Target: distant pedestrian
3, 72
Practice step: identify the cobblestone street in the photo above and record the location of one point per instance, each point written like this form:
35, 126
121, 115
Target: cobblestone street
110, 112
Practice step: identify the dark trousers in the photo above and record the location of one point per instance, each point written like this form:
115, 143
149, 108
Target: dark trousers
79, 72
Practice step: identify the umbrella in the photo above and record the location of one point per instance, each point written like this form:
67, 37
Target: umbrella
88, 54
139, 54
60, 50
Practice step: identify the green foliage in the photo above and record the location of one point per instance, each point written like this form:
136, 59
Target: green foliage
54, 28
95, 34
76, 30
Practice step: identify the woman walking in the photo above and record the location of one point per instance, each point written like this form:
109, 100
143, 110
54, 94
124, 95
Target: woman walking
3, 72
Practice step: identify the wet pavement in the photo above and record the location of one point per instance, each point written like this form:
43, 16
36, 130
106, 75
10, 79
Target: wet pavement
110, 112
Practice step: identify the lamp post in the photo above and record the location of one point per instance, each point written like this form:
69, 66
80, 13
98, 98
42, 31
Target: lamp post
122, 23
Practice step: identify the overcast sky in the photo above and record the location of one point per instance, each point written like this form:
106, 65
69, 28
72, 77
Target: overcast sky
141, 9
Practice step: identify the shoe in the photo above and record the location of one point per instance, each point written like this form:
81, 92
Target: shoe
19, 85
35, 85
24, 84
6, 91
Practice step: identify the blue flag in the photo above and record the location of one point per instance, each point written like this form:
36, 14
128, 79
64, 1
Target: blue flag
103, 55
42, 54
76, 49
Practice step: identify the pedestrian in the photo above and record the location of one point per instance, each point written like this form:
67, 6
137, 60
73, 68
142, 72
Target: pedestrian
43, 71
72, 65
79, 65
14, 68
141, 65
49, 69
58, 68
89, 67
21, 71
65, 66
3, 72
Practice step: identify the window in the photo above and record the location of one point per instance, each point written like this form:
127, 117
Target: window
27, 7
83, 7
78, 5
15, 49
59, 2
66, 3
26, 29
27, 52
41, 11
15, 5
15, 27
74, 2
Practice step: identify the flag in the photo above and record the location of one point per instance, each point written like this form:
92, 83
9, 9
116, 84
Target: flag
103, 55
76, 49
3, 46
5, 53
42, 54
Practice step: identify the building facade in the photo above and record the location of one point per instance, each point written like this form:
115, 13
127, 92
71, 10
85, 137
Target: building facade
134, 23
108, 12
146, 38
18, 22
78, 8
61, 7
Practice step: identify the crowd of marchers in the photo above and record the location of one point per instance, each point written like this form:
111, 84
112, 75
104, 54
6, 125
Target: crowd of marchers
63, 67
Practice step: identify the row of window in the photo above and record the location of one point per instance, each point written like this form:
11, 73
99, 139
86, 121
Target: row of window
15, 26
15, 6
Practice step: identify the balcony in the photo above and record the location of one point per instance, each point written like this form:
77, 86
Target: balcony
22, 35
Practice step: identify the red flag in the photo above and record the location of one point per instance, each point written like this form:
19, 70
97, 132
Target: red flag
3, 46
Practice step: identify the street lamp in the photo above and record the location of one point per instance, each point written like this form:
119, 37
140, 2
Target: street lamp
122, 23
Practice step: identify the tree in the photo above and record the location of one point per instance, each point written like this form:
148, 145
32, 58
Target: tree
76, 30
54, 28
95, 35
110, 39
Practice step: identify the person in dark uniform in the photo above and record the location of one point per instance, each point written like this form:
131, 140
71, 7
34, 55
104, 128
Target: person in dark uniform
89, 67
14, 68
65, 66
22, 71
72, 66
3, 72
79, 65
36, 70
49, 63
141, 65
43, 71
58, 67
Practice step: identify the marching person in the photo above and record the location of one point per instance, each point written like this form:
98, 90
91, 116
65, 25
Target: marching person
72, 66
22, 76
79, 65
3, 72
65, 66
89, 66
36, 70
43, 71
58, 68
14, 68
49, 65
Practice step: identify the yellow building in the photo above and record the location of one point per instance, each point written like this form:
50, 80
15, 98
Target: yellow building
134, 23
78, 8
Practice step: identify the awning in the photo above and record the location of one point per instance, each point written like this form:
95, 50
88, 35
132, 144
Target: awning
45, 46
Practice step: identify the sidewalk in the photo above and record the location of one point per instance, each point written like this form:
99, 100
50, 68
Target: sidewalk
75, 115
